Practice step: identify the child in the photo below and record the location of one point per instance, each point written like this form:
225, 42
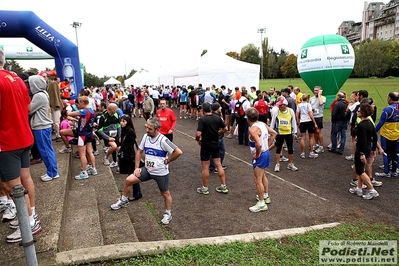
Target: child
84, 134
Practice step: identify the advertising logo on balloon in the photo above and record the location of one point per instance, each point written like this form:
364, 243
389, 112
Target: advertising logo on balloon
326, 61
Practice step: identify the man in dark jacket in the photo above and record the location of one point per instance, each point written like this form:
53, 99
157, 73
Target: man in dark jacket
339, 124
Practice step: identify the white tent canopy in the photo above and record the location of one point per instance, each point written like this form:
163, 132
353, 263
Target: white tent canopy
218, 69
142, 78
112, 81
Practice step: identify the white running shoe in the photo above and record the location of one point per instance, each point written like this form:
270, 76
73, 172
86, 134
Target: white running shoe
166, 218
66, 150
113, 164
106, 161
356, 190
292, 167
82, 175
313, 155
283, 159
371, 194
119, 204
258, 207
92, 171
10, 213
277, 168
319, 149
354, 183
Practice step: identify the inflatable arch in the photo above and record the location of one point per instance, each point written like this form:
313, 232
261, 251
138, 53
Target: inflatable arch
26, 24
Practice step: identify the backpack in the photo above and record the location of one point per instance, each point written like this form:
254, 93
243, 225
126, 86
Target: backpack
262, 107
239, 110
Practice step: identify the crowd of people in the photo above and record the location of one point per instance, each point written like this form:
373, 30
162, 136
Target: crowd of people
261, 120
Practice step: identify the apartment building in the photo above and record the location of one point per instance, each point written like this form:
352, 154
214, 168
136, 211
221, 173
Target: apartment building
379, 20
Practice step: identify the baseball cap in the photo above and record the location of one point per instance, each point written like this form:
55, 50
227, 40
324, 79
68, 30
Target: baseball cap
283, 101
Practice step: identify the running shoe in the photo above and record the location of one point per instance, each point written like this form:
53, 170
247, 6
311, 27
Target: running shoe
267, 199
82, 175
354, 183
65, 150
292, 167
113, 164
283, 159
383, 175
222, 189
17, 237
202, 190
166, 218
356, 190
10, 213
258, 207
376, 183
120, 204
371, 194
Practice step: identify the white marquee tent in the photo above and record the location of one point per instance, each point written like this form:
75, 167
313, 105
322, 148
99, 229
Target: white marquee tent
218, 69
143, 78
112, 81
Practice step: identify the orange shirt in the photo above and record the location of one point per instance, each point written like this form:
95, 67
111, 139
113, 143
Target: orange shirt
65, 90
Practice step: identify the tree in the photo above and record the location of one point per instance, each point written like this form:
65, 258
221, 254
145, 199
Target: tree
289, 68
372, 58
13, 65
250, 54
33, 70
234, 55
204, 52
393, 52
265, 56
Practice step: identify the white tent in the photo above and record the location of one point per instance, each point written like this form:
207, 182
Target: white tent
142, 78
218, 69
112, 81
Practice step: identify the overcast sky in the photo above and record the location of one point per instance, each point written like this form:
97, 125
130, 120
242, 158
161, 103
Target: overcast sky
118, 36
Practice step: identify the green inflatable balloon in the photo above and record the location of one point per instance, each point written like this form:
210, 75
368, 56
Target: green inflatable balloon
326, 61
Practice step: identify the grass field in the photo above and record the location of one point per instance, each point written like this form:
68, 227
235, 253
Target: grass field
302, 249
378, 88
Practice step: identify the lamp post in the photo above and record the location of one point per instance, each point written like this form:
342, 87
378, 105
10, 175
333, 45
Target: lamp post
261, 31
76, 25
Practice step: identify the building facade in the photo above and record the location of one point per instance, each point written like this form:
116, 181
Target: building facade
379, 20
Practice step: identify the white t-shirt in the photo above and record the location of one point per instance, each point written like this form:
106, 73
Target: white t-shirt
317, 108
303, 108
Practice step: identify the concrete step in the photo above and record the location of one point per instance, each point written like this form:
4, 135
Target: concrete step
88, 218
81, 228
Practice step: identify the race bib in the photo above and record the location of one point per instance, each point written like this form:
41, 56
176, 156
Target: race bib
284, 122
150, 164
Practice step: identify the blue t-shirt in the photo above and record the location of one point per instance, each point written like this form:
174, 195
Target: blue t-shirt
183, 97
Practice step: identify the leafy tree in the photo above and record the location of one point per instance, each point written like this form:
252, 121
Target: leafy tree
13, 65
250, 54
234, 55
289, 68
393, 52
33, 70
265, 55
372, 58
204, 52
272, 64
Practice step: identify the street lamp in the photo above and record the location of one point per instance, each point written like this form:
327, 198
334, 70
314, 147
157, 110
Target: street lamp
261, 31
76, 25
